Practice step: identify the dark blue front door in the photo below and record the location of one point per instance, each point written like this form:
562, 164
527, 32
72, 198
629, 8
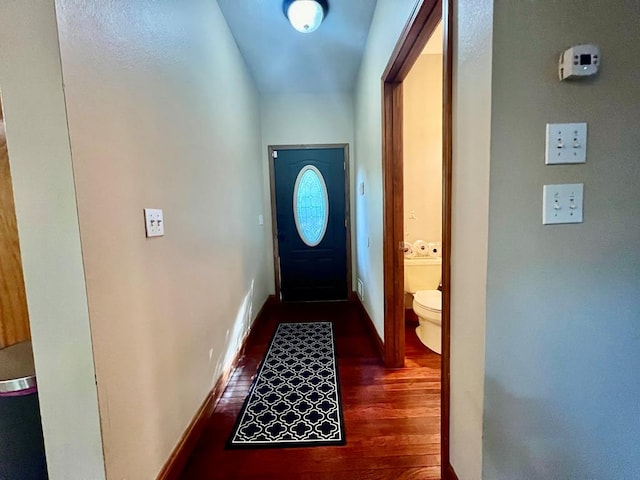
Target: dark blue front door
310, 196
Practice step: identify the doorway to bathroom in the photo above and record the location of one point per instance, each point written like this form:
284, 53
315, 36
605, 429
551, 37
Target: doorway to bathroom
416, 228
422, 192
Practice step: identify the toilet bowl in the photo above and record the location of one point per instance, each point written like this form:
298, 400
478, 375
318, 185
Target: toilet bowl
421, 280
427, 305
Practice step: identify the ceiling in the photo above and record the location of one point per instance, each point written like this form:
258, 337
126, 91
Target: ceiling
282, 60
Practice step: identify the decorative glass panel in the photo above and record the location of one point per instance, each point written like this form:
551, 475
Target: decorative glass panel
311, 205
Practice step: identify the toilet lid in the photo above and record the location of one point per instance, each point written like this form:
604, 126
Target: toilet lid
429, 299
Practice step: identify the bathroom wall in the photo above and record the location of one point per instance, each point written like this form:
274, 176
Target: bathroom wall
563, 301
305, 119
422, 144
164, 114
388, 21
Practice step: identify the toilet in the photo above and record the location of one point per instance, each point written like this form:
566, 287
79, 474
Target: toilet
421, 281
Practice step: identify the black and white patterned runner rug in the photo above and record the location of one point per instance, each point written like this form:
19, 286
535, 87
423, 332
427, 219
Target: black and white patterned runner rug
295, 398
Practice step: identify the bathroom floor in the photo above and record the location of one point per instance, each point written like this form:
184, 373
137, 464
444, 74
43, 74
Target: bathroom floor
392, 417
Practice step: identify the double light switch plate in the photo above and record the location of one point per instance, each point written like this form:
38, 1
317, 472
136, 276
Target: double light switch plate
566, 143
154, 222
562, 203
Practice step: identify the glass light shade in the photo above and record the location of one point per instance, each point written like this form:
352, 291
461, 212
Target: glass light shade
305, 15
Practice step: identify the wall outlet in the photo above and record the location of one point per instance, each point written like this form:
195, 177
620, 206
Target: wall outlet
154, 222
360, 289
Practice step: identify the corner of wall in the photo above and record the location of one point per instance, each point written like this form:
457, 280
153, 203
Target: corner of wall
39, 152
472, 76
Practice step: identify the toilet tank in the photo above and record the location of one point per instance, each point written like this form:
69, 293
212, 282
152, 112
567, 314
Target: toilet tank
422, 273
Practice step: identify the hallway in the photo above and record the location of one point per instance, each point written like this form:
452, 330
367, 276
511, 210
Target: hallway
392, 417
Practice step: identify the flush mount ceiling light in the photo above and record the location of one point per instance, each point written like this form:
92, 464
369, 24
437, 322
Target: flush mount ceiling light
305, 15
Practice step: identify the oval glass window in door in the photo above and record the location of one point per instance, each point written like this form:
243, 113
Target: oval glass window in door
311, 205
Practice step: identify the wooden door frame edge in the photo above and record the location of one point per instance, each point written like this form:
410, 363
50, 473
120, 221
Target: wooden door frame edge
274, 220
418, 29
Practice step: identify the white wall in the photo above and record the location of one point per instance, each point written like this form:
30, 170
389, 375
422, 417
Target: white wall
304, 119
563, 329
38, 142
472, 37
422, 149
163, 114
388, 21
298, 119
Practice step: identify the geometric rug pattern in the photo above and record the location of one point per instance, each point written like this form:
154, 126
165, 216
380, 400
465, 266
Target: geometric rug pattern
295, 398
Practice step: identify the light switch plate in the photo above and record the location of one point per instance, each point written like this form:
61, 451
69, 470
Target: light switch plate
154, 222
566, 143
562, 203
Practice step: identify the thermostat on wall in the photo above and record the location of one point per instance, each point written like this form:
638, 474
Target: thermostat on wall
579, 61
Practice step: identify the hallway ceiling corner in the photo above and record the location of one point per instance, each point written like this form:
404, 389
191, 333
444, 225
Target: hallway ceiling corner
282, 60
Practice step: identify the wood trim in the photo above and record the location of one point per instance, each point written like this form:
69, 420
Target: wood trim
14, 315
180, 455
347, 214
419, 28
308, 146
450, 473
414, 36
274, 220
447, 185
403, 45
393, 226
373, 333
178, 459
264, 310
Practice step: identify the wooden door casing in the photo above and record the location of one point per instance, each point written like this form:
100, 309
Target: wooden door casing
14, 317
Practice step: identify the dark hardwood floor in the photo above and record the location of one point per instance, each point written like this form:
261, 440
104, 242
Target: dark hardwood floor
392, 417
